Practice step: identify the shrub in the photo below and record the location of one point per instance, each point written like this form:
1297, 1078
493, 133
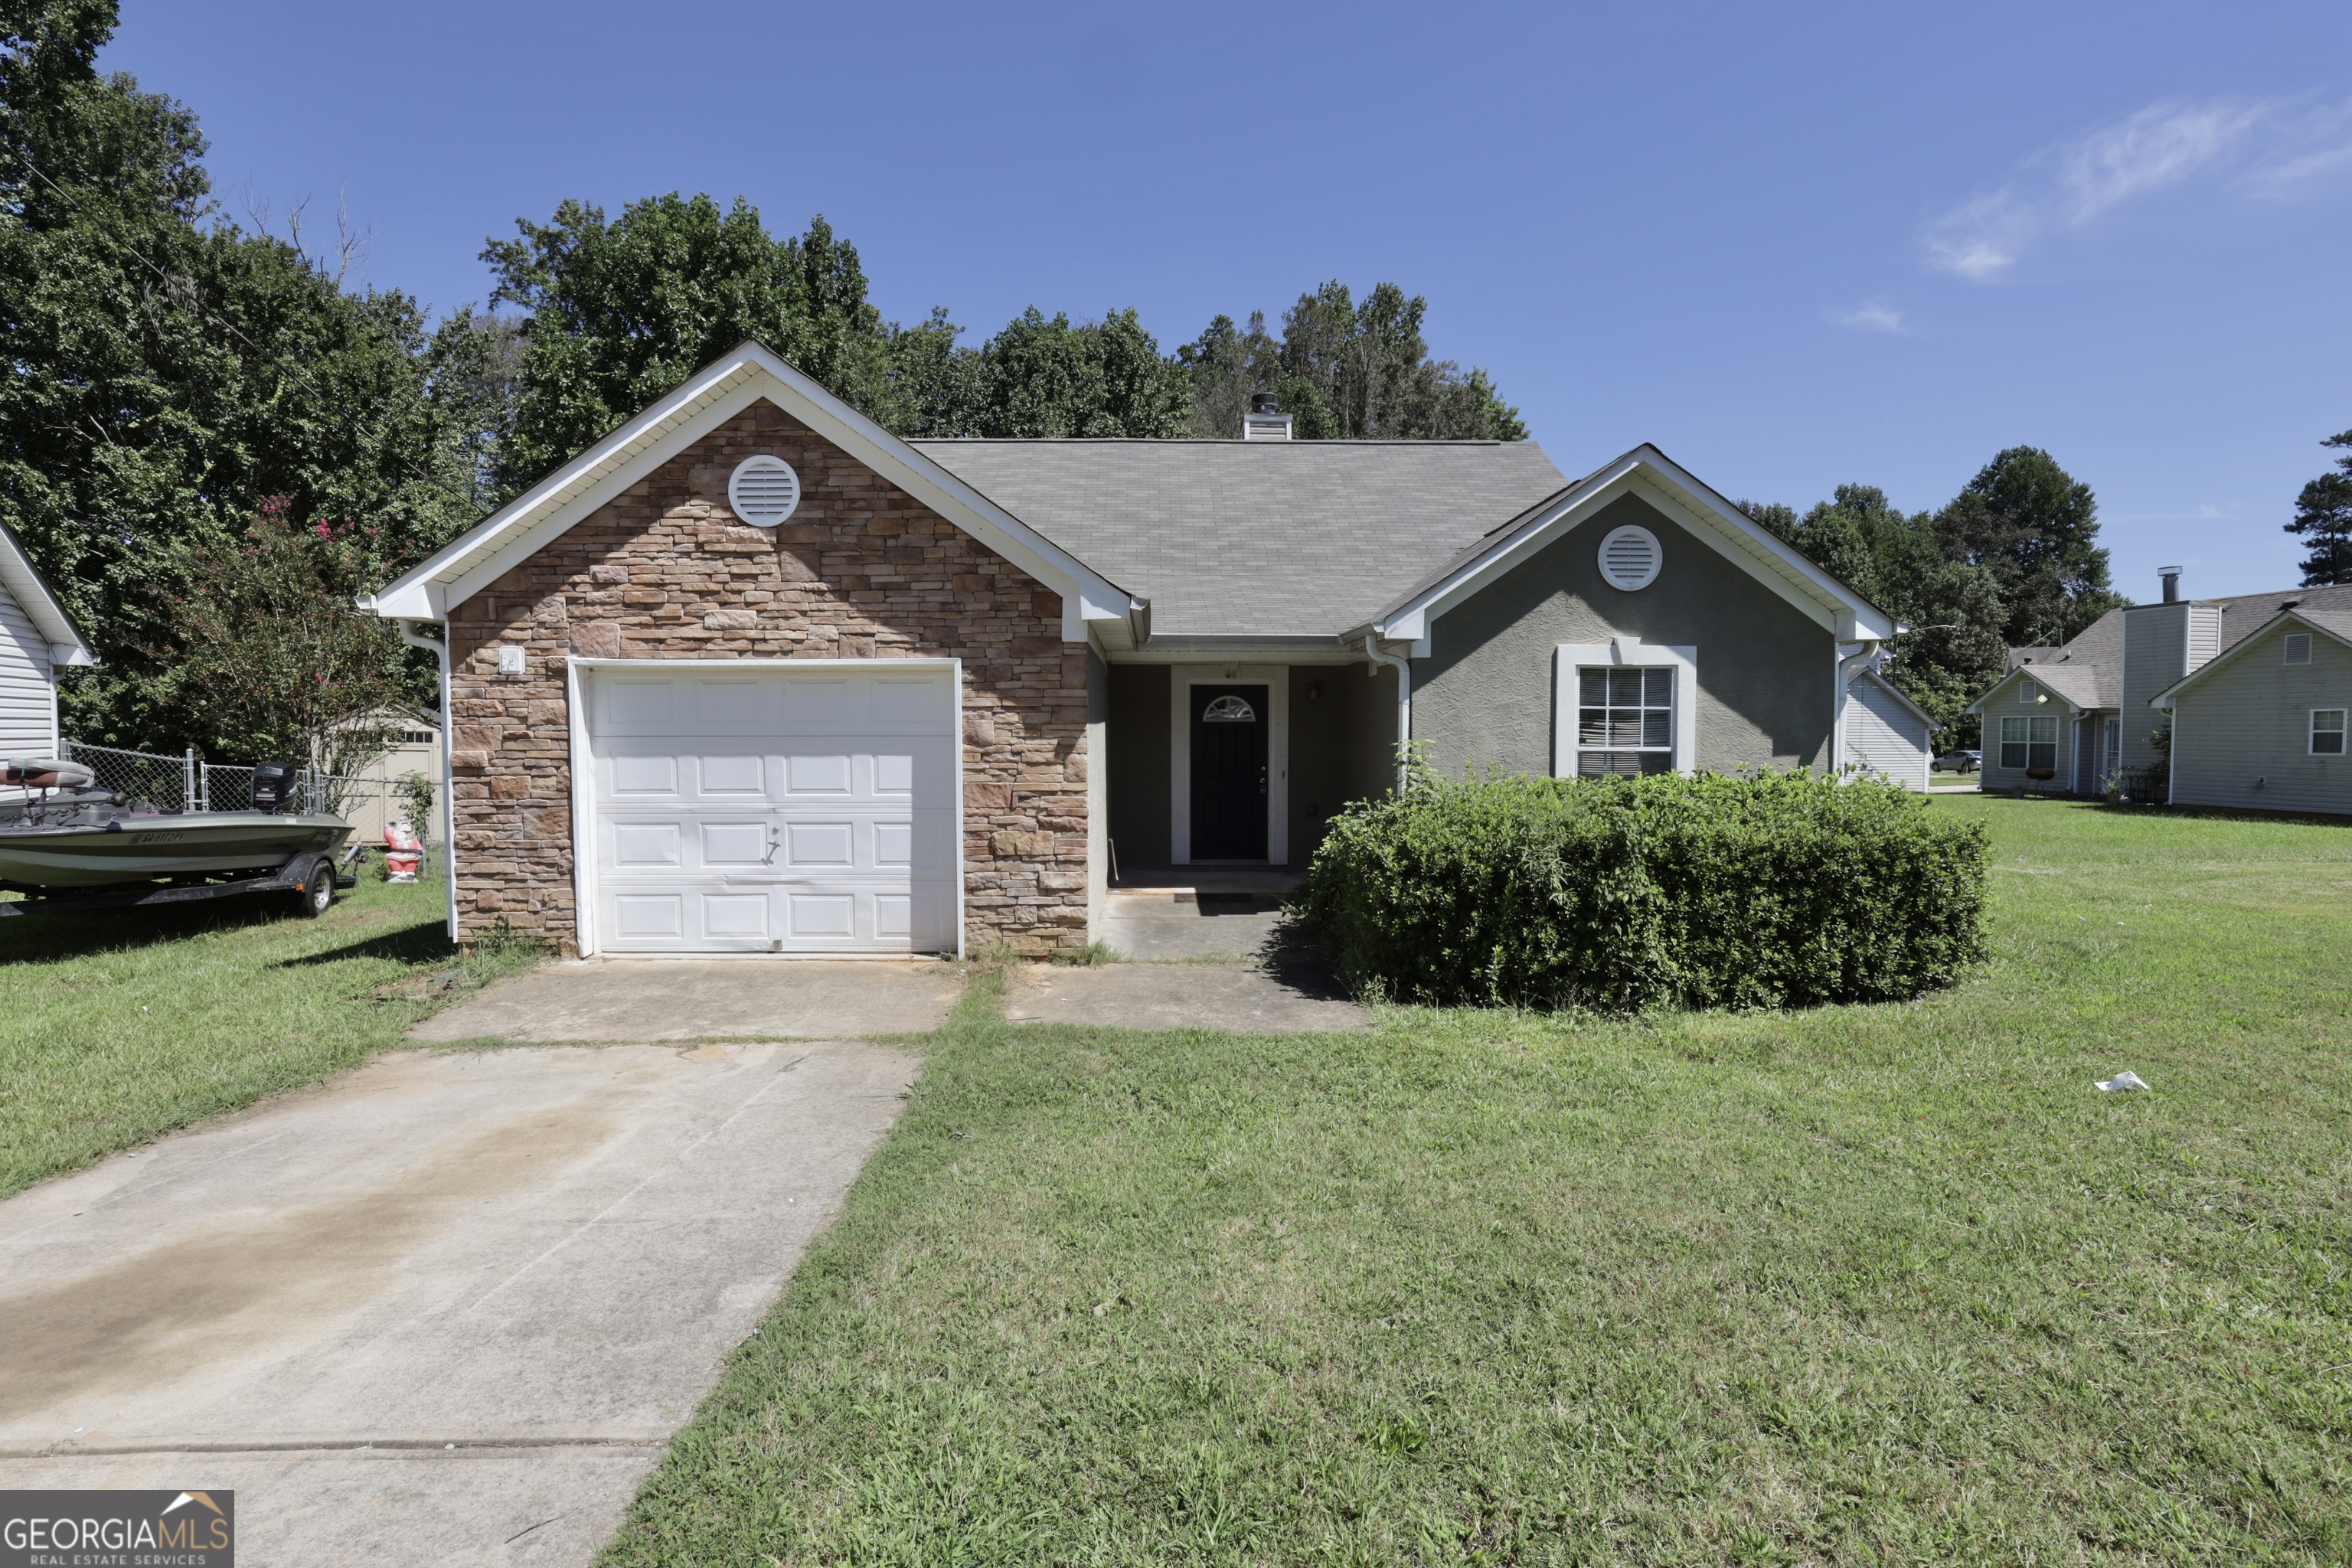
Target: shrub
1776, 889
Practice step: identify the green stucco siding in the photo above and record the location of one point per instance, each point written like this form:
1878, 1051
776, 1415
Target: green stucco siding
1767, 672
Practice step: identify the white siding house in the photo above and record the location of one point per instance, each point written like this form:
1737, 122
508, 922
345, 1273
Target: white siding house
37, 640
1887, 732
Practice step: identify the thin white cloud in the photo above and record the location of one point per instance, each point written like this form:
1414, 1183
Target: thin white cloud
1981, 238
2073, 183
2292, 174
1874, 316
2160, 146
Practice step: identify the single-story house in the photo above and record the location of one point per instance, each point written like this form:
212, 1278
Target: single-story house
37, 639
753, 674
1888, 735
2067, 718
2261, 723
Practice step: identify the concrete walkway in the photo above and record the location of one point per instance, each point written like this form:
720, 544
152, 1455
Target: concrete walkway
1241, 998
445, 1309
702, 998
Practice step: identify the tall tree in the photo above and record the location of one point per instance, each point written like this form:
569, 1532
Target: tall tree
619, 312
2035, 527
2322, 520
167, 374
1953, 645
1346, 371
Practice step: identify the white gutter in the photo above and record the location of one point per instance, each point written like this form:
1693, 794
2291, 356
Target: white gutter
440, 648
1846, 670
1404, 701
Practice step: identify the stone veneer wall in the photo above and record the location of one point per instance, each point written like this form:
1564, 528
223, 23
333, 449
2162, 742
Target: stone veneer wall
861, 570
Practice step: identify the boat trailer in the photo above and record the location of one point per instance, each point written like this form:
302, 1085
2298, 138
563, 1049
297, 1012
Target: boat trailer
313, 879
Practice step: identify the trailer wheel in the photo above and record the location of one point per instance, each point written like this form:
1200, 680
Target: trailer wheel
317, 893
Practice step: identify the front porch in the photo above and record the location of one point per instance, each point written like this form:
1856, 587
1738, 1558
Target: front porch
1236, 766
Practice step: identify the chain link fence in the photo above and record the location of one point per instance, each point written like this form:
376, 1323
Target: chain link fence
185, 784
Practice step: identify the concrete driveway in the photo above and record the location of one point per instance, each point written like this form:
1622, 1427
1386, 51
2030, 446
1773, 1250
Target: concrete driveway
445, 1309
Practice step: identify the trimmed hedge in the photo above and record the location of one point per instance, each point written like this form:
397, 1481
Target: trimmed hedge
1779, 890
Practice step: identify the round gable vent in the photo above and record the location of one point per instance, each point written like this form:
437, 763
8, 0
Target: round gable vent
763, 490
1629, 558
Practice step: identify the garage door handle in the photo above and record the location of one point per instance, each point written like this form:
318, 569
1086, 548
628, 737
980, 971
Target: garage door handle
773, 844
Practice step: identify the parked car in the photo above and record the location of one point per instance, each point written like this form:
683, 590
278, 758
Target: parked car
1958, 763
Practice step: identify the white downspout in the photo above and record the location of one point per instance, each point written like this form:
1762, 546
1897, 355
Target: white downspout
440, 649
1846, 670
1403, 667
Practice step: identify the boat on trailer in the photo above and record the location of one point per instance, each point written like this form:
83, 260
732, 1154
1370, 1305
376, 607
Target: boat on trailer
74, 844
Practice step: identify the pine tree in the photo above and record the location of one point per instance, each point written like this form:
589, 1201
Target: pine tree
2322, 520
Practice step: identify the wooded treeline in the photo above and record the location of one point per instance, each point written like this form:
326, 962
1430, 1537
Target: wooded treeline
2012, 561
199, 416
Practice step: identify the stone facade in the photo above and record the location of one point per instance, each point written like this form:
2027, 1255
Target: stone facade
861, 570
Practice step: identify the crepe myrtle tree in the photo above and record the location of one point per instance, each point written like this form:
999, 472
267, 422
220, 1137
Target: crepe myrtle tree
275, 662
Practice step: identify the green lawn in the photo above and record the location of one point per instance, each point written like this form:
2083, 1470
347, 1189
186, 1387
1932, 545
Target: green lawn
1886, 1284
121, 1024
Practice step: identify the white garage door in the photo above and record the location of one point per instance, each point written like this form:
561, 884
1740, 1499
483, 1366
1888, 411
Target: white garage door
755, 810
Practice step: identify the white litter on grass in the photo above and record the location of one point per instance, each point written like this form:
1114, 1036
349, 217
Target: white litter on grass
2124, 1079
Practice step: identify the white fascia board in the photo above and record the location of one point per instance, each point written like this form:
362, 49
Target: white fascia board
49, 616
717, 394
1661, 483
2023, 672
2164, 698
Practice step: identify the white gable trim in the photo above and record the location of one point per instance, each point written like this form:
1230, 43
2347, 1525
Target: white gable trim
1877, 677
2024, 672
711, 396
2164, 698
23, 585
1656, 480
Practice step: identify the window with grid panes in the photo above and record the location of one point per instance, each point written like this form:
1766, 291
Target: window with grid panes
1625, 719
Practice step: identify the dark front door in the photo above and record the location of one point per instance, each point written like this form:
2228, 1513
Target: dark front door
1229, 753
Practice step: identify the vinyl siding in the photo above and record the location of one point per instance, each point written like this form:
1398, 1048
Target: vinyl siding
1884, 736
27, 693
2251, 719
2156, 654
2003, 703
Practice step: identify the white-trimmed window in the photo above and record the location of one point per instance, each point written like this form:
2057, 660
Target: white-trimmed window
2298, 648
2028, 692
1624, 720
2328, 731
2030, 740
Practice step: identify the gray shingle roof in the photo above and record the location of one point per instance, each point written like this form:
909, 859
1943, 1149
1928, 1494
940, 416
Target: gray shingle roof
1258, 538
2089, 671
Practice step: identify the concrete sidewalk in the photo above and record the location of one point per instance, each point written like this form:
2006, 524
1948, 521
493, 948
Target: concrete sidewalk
445, 1309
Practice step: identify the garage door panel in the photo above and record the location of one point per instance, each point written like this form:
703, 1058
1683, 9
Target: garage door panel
644, 775
820, 846
725, 775
647, 845
776, 810
730, 844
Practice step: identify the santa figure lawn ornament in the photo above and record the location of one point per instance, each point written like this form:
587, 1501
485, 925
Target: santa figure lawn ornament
402, 851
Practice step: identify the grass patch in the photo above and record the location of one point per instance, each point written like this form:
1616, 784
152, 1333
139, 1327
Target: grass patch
117, 1025
1870, 1284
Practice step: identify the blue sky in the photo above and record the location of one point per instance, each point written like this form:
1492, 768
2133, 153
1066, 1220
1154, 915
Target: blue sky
1793, 246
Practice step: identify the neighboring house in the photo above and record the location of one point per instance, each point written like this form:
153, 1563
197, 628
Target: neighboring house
2065, 719
1888, 735
37, 639
2262, 724
752, 674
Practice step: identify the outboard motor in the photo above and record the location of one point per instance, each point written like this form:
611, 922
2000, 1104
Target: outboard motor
273, 787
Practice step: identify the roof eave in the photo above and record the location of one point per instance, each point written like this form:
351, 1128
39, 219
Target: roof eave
491, 548
1845, 614
50, 615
